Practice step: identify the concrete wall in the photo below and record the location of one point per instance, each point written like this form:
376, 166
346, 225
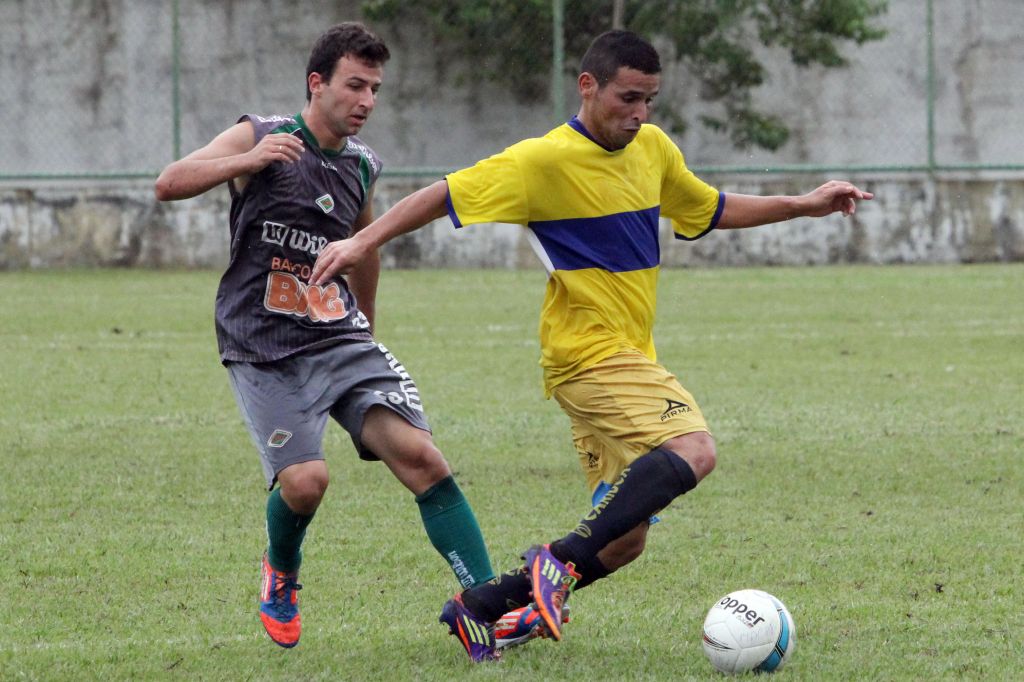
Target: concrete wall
943, 220
87, 85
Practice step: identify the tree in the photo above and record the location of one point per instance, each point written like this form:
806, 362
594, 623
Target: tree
510, 42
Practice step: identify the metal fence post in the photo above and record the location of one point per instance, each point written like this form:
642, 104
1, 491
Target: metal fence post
176, 78
558, 60
930, 46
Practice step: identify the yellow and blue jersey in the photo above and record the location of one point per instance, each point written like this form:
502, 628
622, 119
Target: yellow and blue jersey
592, 215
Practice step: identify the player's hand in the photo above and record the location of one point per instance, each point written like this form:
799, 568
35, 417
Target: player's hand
833, 196
276, 147
337, 258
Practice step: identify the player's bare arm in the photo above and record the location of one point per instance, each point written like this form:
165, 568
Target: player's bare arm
411, 213
232, 155
363, 277
745, 210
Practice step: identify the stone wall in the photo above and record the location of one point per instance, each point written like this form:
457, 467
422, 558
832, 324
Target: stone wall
916, 219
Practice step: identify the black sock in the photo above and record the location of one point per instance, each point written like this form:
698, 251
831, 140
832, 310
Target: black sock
649, 484
646, 486
590, 570
491, 600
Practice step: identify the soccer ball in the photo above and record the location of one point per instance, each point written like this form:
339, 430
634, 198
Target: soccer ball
748, 630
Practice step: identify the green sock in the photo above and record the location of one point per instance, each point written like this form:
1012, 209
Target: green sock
454, 532
285, 531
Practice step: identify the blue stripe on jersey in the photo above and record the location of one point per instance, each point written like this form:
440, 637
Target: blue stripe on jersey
451, 209
621, 242
714, 220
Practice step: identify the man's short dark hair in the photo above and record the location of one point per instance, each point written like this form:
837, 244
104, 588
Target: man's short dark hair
347, 39
615, 49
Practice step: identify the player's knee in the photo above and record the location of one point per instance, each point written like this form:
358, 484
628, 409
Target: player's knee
435, 465
698, 450
303, 493
427, 459
706, 461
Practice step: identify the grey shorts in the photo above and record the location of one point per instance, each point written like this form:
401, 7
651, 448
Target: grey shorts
285, 403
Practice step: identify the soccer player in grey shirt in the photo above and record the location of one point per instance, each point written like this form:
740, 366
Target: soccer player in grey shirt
298, 352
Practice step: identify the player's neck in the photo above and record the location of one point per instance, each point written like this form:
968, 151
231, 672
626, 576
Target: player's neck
325, 139
587, 122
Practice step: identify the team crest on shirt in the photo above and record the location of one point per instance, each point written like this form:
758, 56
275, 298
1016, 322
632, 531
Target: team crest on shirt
326, 203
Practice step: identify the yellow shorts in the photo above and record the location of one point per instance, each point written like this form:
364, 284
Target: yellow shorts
624, 407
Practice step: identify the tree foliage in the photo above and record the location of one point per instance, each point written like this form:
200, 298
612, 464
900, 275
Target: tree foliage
510, 42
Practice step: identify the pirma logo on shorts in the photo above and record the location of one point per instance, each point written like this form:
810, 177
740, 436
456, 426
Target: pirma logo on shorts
674, 408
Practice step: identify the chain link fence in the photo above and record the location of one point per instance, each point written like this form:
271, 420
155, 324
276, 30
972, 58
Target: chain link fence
119, 88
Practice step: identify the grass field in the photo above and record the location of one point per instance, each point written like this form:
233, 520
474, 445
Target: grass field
870, 424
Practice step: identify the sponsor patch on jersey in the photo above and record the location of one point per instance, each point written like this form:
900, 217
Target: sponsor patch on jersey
286, 294
326, 203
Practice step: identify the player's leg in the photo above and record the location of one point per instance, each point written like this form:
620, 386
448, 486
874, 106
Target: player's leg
287, 427
290, 509
524, 623
603, 458
380, 407
646, 486
386, 413
411, 455
409, 452
508, 598
629, 404
618, 409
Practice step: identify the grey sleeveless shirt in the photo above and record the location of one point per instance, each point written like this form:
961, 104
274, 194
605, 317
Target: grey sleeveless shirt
266, 309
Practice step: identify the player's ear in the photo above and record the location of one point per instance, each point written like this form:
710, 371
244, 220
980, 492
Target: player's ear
314, 81
587, 85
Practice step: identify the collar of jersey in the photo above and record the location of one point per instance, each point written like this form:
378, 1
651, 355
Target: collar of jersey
311, 138
576, 124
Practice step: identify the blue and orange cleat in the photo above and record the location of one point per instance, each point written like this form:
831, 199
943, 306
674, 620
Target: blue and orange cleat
522, 625
551, 581
474, 634
279, 605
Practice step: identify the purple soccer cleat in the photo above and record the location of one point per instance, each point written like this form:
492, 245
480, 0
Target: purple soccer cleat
474, 634
550, 580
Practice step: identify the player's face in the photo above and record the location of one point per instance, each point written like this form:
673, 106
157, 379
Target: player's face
345, 102
615, 112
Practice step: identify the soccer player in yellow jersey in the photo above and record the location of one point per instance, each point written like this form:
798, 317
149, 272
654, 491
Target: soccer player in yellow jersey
591, 193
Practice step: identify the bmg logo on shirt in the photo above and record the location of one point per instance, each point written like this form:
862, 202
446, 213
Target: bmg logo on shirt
288, 295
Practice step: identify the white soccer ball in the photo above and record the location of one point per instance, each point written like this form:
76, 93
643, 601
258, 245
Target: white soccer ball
748, 630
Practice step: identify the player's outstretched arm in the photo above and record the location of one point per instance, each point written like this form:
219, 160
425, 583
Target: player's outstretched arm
411, 213
231, 155
745, 210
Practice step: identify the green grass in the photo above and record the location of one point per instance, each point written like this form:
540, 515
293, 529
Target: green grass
870, 424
